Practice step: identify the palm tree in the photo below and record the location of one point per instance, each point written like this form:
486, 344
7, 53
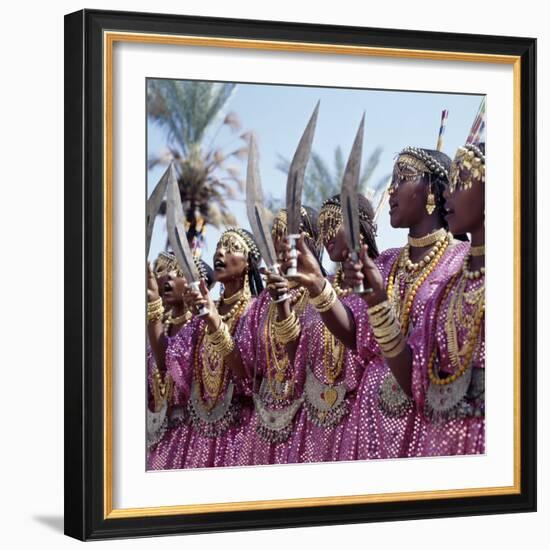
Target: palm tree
320, 182
191, 115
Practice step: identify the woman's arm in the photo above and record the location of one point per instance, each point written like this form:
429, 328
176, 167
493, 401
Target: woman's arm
338, 319
384, 324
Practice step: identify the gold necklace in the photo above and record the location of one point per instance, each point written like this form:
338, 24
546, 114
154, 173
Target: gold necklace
427, 258
173, 321
427, 240
477, 250
276, 351
213, 373
473, 324
333, 356
337, 284
394, 292
277, 362
162, 389
233, 298
299, 299
472, 274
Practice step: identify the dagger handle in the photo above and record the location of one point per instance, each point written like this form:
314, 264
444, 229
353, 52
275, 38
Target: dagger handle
275, 269
358, 289
292, 271
202, 310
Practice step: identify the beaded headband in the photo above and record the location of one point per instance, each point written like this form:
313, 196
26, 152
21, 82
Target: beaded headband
467, 168
330, 219
279, 228
245, 240
166, 262
420, 161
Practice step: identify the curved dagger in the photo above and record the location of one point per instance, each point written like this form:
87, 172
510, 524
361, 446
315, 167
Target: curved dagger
349, 199
256, 212
175, 221
295, 185
255, 209
153, 206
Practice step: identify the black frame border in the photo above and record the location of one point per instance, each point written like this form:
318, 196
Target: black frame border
84, 488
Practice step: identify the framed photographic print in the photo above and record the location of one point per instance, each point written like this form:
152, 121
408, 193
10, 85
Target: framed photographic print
276, 303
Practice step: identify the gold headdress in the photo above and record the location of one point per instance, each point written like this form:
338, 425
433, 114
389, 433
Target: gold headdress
166, 262
279, 228
236, 239
413, 162
330, 219
467, 168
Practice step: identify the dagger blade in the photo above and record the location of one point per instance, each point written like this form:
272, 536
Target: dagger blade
349, 193
153, 206
296, 173
175, 220
255, 209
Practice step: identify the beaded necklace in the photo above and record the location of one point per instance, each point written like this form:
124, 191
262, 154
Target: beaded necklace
213, 375
404, 306
455, 313
162, 390
276, 369
333, 349
173, 321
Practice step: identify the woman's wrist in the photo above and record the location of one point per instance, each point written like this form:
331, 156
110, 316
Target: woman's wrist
316, 285
283, 310
374, 298
213, 321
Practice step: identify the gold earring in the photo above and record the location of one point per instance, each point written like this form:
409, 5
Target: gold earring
430, 202
246, 285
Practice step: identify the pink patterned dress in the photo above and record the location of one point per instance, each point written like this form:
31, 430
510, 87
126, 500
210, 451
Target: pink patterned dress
211, 433
330, 375
453, 419
167, 429
387, 419
277, 386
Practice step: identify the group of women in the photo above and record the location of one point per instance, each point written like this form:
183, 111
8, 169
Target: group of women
306, 369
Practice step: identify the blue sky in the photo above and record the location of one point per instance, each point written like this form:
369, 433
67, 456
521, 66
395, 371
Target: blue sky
279, 114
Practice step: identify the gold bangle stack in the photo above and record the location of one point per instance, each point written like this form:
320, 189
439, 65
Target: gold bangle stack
325, 300
287, 330
386, 329
220, 343
155, 310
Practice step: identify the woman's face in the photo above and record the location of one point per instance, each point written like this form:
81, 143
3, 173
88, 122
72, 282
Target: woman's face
230, 259
465, 207
162, 272
408, 198
173, 288
336, 245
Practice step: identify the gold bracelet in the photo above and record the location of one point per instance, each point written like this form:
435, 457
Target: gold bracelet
155, 315
325, 300
396, 350
322, 297
220, 341
385, 305
156, 304
389, 334
287, 330
329, 303
382, 320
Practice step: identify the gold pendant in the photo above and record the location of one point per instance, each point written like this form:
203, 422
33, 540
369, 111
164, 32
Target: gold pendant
330, 396
280, 377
